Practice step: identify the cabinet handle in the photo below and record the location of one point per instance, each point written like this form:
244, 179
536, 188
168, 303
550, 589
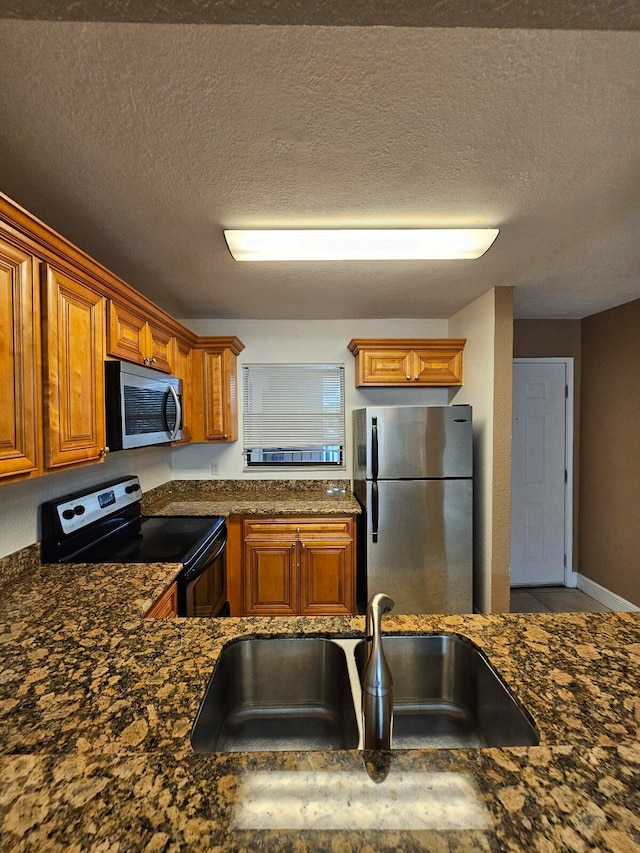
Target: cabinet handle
104, 451
417, 376
408, 377
153, 361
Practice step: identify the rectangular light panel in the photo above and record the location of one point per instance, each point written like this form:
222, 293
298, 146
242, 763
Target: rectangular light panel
360, 244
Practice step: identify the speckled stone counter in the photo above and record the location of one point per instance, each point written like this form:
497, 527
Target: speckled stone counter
251, 497
96, 706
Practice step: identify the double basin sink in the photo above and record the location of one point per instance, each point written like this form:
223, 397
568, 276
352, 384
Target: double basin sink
303, 693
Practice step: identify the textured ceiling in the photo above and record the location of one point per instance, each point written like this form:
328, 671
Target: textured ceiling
531, 14
141, 142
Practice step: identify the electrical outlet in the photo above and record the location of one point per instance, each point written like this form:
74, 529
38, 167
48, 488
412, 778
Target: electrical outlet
214, 468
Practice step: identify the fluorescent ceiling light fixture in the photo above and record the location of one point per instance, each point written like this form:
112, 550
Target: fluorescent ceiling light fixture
371, 244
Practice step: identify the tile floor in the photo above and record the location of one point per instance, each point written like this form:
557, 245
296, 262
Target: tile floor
550, 599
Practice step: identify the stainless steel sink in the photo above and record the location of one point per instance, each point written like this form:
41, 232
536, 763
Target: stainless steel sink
304, 694
446, 694
278, 694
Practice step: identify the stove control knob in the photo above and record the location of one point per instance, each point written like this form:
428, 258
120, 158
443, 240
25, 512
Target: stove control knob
79, 510
68, 514
134, 487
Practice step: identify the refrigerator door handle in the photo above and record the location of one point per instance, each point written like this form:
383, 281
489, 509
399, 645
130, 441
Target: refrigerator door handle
374, 449
374, 511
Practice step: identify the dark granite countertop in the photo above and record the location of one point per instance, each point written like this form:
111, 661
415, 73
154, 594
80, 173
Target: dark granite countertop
252, 497
97, 703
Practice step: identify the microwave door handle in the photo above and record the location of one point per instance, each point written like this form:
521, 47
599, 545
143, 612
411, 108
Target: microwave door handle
174, 433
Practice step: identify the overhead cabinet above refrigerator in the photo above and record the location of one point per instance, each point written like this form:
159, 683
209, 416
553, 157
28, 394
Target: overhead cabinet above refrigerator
413, 475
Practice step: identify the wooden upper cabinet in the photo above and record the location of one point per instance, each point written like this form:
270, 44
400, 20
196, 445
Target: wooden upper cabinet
132, 338
19, 363
159, 344
61, 315
408, 362
73, 355
216, 391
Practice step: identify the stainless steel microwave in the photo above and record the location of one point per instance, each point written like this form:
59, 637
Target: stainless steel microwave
143, 406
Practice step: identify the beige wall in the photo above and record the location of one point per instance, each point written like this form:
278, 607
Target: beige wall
19, 502
557, 339
265, 341
609, 522
487, 323
302, 341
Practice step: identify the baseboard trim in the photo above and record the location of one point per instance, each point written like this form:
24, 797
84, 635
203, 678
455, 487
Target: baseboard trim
610, 599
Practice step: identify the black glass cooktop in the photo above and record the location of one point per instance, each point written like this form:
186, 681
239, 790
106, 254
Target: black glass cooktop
154, 539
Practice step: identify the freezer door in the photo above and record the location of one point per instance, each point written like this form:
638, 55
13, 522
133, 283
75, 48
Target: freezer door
415, 442
422, 555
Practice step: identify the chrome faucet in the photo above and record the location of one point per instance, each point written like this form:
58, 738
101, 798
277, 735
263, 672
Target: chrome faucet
377, 683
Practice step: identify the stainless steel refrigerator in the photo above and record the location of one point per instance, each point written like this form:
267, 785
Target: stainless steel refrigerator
413, 469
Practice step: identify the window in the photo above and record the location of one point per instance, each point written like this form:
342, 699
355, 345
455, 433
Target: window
293, 414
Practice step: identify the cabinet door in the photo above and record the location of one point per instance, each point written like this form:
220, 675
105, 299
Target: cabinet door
220, 405
327, 578
437, 367
158, 346
127, 334
134, 339
408, 361
74, 371
270, 578
384, 367
19, 365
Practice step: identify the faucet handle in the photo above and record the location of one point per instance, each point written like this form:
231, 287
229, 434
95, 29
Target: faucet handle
382, 601
378, 605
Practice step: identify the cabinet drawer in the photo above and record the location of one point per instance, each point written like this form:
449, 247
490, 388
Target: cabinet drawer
298, 528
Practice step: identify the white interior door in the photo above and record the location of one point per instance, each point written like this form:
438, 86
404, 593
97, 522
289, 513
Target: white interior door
539, 464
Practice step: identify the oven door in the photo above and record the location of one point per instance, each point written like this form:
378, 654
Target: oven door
202, 588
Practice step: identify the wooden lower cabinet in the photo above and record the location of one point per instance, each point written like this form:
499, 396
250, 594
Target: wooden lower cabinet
298, 567
270, 578
327, 578
166, 607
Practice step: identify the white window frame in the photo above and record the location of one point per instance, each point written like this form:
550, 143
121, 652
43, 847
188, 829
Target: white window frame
284, 412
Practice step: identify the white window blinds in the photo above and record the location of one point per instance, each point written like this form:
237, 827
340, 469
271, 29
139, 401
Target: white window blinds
293, 413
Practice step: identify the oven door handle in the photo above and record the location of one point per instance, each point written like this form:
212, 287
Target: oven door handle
201, 565
173, 433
